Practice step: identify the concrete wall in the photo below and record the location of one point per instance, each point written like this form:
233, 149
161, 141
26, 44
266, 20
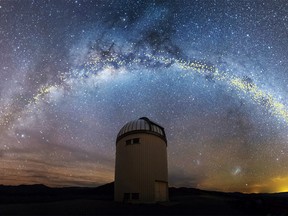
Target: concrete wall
138, 166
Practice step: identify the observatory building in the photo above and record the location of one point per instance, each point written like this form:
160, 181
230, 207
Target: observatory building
141, 173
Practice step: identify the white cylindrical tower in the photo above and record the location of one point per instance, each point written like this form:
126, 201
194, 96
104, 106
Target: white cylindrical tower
141, 173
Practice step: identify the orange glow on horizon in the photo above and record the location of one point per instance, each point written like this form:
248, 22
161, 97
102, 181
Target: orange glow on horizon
273, 185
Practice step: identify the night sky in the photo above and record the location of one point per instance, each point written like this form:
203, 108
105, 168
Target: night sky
214, 74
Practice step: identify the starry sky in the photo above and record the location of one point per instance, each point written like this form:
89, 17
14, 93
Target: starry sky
214, 74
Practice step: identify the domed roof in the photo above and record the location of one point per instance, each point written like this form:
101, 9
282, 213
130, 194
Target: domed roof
142, 125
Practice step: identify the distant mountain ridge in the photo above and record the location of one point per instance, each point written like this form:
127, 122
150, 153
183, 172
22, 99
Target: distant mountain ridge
43, 193
40, 199
108, 189
43, 189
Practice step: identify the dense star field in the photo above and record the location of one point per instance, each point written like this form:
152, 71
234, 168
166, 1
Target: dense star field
214, 74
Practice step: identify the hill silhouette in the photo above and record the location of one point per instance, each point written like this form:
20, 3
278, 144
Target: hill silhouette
43, 200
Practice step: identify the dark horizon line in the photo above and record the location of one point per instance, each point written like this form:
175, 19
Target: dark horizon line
110, 183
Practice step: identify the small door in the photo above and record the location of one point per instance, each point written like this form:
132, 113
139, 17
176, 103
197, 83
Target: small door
160, 191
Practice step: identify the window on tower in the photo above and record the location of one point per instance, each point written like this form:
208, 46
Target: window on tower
135, 196
136, 141
133, 141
